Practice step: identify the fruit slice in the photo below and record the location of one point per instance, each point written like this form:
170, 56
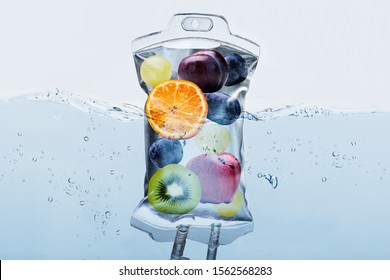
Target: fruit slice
213, 138
219, 176
232, 208
174, 189
176, 109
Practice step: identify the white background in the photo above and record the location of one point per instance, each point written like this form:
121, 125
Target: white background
281, 270
332, 53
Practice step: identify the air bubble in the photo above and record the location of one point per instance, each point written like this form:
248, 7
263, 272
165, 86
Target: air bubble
56, 115
273, 180
86, 138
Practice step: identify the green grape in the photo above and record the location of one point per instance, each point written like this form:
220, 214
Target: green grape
213, 138
232, 208
155, 69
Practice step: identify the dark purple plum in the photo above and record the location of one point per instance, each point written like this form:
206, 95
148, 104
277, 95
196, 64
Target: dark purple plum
207, 69
165, 151
223, 109
237, 69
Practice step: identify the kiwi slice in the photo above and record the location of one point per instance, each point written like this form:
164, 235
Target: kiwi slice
174, 189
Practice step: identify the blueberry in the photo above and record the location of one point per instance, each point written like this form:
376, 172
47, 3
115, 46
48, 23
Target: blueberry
223, 109
165, 151
237, 69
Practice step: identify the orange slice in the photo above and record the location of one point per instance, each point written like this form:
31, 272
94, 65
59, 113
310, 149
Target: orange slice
176, 109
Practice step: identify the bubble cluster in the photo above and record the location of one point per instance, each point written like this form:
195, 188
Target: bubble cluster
272, 180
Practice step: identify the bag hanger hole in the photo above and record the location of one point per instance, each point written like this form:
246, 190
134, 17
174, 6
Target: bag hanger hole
197, 24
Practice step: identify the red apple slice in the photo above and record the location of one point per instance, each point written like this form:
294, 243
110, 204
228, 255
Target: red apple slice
219, 176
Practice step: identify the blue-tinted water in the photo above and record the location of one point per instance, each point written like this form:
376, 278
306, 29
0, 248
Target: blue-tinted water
72, 171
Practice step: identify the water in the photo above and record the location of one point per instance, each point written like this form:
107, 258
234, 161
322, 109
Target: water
72, 171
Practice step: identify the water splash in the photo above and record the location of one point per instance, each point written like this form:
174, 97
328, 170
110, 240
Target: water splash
306, 111
123, 112
129, 112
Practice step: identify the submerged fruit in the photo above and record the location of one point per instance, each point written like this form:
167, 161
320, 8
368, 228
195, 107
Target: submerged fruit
206, 68
155, 69
176, 109
165, 151
174, 189
219, 176
222, 108
232, 208
213, 138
